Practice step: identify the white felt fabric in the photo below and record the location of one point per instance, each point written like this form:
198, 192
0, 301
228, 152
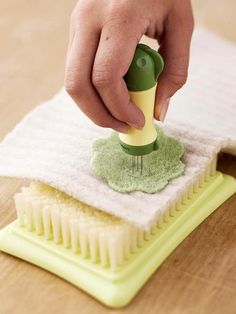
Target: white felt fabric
53, 145
208, 100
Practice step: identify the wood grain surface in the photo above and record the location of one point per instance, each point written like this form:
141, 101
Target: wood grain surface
200, 275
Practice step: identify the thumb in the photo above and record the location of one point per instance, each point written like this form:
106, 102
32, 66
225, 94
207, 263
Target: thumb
174, 48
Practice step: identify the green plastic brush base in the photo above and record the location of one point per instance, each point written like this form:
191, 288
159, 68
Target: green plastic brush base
139, 150
116, 289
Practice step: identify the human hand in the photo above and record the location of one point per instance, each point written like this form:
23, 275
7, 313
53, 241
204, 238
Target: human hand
103, 39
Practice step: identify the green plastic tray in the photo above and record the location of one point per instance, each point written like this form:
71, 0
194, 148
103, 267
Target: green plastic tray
116, 289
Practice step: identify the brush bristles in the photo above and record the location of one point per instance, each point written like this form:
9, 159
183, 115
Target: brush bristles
84, 230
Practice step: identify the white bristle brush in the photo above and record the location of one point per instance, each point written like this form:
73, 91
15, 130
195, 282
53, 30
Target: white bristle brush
93, 234
106, 256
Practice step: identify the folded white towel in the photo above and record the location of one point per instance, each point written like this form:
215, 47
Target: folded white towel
209, 98
52, 144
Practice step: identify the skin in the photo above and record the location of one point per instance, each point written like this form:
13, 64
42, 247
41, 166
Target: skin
103, 38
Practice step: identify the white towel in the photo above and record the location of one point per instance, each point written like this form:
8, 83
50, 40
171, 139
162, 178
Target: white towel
52, 144
209, 98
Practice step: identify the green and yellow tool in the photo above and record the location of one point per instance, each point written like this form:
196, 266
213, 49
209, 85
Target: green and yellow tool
141, 80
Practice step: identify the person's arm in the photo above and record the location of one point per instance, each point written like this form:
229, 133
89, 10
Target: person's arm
103, 38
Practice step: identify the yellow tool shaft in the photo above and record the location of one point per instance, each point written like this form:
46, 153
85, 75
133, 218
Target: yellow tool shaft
145, 101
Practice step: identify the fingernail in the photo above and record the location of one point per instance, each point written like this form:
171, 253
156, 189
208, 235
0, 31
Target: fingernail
139, 123
136, 125
164, 108
124, 129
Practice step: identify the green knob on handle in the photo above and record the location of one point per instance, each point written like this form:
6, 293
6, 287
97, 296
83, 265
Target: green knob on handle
144, 70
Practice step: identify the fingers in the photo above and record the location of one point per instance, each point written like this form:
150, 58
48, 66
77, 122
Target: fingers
115, 52
78, 83
174, 48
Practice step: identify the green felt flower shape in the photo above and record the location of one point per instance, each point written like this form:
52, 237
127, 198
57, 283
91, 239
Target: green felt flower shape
159, 167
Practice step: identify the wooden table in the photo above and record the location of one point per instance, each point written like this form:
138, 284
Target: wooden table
199, 276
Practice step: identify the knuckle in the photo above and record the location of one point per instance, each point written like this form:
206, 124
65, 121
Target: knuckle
70, 87
102, 78
178, 79
73, 87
